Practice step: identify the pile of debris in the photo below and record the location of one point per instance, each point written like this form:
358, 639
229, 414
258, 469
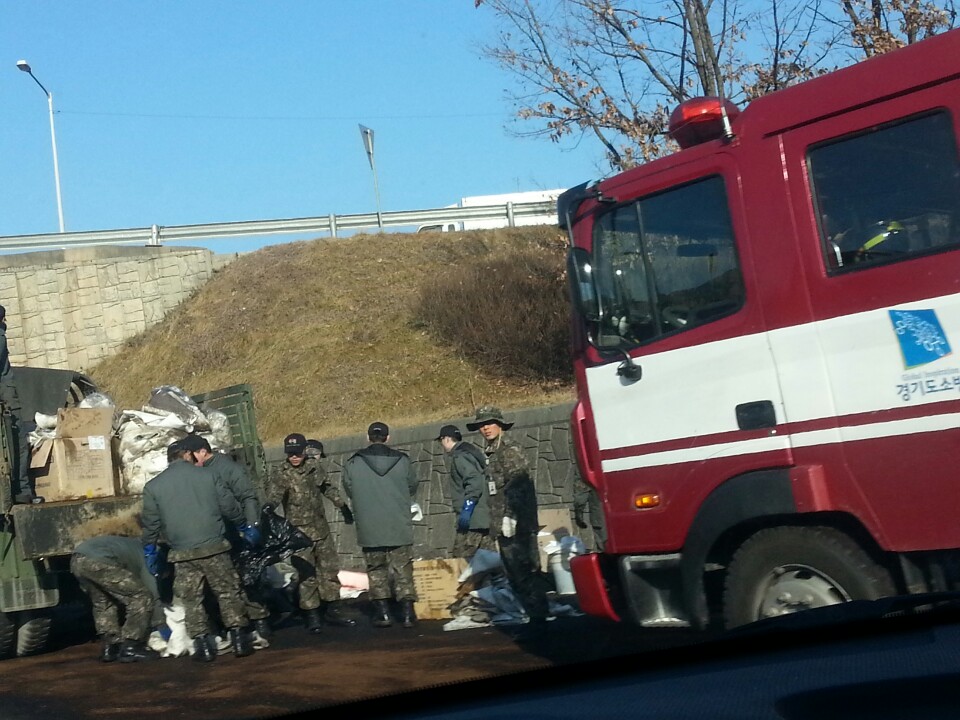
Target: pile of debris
96, 450
485, 598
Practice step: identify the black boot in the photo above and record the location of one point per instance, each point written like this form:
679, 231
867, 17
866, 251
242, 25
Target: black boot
408, 617
134, 651
381, 614
262, 628
240, 643
313, 621
333, 615
110, 651
203, 650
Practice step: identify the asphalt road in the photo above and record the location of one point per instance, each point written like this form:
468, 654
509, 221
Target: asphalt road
300, 671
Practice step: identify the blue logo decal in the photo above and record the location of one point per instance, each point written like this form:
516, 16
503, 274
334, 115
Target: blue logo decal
922, 339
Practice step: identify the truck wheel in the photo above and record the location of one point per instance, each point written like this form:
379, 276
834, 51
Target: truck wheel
788, 569
33, 635
8, 636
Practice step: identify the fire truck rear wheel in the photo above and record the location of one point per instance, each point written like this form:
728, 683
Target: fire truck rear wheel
788, 569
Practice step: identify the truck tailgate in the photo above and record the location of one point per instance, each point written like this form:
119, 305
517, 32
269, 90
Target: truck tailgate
52, 529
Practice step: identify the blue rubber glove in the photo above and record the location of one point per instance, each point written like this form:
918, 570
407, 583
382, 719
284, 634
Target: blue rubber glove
165, 632
152, 555
463, 519
251, 535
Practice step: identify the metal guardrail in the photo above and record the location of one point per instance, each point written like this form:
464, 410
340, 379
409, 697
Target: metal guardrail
157, 234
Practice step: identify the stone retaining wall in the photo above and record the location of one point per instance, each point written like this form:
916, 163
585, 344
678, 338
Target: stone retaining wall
70, 308
544, 434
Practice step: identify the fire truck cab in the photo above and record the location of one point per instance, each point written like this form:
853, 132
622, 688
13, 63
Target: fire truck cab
768, 402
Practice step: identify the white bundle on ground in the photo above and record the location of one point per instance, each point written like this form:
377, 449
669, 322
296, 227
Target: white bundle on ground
180, 643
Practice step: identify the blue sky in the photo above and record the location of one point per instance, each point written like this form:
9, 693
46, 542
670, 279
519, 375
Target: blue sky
192, 112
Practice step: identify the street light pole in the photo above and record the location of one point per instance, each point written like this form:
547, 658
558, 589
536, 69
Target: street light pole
25, 67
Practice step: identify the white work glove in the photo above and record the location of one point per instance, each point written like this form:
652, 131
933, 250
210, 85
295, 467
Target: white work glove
509, 527
416, 512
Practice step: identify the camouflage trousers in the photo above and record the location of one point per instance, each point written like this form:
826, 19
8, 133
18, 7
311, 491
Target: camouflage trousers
218, 573
466, 544
317, 569
384, 563
521, 562
109, 588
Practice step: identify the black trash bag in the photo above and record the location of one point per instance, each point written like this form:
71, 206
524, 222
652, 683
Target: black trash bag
280, 540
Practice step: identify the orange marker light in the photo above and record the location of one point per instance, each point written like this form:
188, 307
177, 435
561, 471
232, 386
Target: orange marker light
648, 500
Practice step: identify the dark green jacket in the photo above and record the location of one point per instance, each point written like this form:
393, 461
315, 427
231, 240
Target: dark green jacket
468, 473
381, 485
186, 506
236, 479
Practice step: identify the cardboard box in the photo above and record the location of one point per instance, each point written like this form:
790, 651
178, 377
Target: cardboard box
436, 582
554, 524
73, 468
85, 422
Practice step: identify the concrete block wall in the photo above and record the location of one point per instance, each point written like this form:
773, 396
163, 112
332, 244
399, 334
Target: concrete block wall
543, 432
70, 308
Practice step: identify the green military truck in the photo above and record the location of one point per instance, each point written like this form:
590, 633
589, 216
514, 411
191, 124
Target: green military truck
36, 541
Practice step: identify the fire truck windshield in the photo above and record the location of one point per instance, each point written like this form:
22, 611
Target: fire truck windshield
659, 267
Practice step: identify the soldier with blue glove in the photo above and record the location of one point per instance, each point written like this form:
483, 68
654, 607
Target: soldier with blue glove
234, 477
187, 506
470, 493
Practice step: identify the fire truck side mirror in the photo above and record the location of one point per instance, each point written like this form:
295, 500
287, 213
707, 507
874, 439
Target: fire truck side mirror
628, 369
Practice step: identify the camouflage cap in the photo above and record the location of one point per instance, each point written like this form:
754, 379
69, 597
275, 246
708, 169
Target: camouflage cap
488, 414
314, 448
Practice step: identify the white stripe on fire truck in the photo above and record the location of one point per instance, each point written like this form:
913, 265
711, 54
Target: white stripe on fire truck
828, 436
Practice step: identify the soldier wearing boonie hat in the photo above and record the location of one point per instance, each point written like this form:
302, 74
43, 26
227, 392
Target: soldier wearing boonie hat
513, 516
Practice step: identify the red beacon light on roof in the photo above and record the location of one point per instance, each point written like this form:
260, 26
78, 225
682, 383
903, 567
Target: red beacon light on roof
701, 119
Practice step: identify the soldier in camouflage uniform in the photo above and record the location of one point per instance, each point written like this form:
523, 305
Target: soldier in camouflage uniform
513, 516
469, 493
186, 506
234, 477
300, 484
113, 573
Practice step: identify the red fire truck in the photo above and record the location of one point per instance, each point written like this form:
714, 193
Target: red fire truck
768, 401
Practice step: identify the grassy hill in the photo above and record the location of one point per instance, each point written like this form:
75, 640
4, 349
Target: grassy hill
326, 333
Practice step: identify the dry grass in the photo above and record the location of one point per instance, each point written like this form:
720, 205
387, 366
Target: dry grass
325, 332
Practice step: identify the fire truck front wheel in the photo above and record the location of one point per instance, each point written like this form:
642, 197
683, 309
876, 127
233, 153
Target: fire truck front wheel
788, 569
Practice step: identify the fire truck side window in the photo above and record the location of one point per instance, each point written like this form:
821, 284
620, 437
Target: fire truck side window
887, 194
666, 263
